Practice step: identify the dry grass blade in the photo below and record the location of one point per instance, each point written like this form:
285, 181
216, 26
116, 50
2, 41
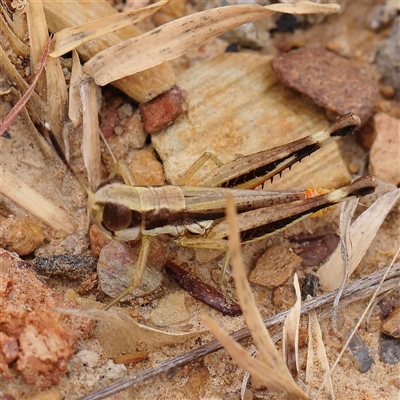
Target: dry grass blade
179, 36
346, 214
24, 99
37, 205
38, 36
276, 375
290, 333
362, 233
20, 48
316, 346
138, 333
51, 86
91, 138
74, 105
70, 38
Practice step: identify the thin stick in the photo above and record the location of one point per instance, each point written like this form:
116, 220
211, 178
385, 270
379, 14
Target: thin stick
354, 291
24, 99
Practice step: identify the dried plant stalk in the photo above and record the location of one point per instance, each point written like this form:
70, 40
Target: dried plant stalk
91, 139
179, 36
74, 104
142, 87
316, 345
290, 333
51, 86
37, 205
70, 38
38, 36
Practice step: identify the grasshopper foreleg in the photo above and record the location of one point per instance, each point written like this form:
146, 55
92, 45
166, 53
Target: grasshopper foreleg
199, 164
138, 273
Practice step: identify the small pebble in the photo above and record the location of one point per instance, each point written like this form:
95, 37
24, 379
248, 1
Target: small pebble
170, 310
284, 297
384, 156
360, 354
389, 350
125, 111
97, 240
162, 111
21, 235
353, 168
387, 92
133, 128
275, 267
115, 271
8, 347
386, 305
109, 123
391, 326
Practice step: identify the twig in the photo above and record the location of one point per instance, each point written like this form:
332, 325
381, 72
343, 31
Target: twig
356, 290
24, 99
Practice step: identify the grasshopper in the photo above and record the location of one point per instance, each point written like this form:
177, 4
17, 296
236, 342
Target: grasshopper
195, 215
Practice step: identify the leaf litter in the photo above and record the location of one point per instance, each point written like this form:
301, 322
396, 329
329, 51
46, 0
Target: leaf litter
260, 339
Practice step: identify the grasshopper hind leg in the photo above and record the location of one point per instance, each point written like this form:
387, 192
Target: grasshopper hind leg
138, 273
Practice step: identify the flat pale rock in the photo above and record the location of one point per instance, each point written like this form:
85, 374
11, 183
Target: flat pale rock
170, 310
332, 81
237, 106
385, 152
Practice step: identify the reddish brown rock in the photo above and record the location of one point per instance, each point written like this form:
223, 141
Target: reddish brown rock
45, 338
333, 82
162, 111
97, 240
314, 248
109, 123
284, 297
392, 325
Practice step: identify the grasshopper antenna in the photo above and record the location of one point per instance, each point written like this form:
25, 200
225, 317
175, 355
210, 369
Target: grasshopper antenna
62, 157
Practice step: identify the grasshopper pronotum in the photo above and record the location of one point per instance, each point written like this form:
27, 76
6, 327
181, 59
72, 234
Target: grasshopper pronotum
194, 215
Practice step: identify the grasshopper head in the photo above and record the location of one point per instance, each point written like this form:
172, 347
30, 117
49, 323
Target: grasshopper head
116, 210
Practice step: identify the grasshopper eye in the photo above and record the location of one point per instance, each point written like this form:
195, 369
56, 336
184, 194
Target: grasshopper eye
116, 217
